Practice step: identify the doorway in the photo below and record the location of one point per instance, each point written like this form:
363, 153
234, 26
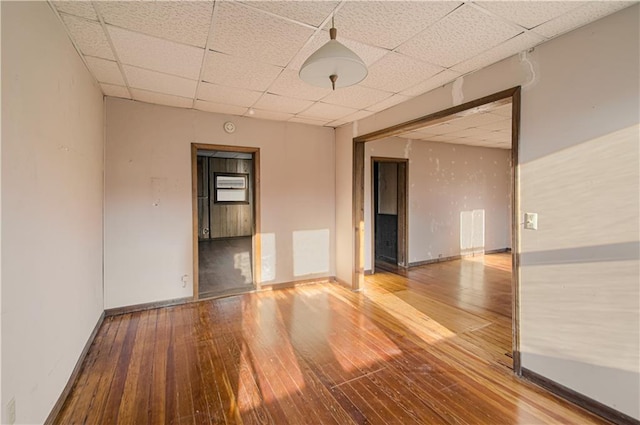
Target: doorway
225, 204
389, 213
510, 96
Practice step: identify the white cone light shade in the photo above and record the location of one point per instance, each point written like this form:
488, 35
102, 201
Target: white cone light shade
333, 59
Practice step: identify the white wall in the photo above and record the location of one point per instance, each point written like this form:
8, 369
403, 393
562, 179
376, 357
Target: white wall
579, 156
52, 196
148, 247
447, 183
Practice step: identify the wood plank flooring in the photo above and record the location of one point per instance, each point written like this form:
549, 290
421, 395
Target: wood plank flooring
402, 351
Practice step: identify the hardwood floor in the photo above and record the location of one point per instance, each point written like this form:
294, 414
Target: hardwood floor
402, 351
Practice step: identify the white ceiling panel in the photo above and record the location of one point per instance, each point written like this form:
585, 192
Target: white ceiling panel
78, 8
519, 43
440, 79
156, 54
238, 72
220, 108
358, 97
243, 31
590, 12
504, 110
308, 12
529, 14
396, 72
227, 95
388, 103
89, 36
161, 99
311, 121
289, 84
461, 35
476, 120
277, 103
387, 24
326, 111
105, 71
115, 91
269, 115
504, 124
357, 116
368, 54
185, 22
160, 83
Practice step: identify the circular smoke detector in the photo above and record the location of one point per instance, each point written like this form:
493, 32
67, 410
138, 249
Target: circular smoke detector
229, 127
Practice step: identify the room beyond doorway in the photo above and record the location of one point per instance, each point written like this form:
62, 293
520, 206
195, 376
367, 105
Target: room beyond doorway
226, 219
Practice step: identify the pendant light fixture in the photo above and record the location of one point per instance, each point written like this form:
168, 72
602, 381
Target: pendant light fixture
333, 65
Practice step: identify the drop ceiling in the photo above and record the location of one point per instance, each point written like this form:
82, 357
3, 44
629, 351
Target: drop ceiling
243, 57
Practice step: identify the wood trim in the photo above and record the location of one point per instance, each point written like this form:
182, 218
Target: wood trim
257, 252
515, 228
147, 306
55, 411
578, 399
509, 95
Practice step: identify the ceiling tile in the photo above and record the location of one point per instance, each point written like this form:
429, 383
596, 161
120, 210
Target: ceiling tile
504, 124
289, 84
368, 54
269, 115
308, 12
310, 121
220, 108
388, 23
115, 91
89, 36
336, 123
185, 22
388, 103
590, 12
227, 95
504, 110
105, 71
529, 14
396, 72
161, 99
78, 8
358, 97
156, 54
357, 116
461, 35
276, 103
326, 111
161, 83
517, 44
476, 120
438, 80
238, 72
246, 32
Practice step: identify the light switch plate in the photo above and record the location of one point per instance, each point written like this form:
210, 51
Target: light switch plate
531, 221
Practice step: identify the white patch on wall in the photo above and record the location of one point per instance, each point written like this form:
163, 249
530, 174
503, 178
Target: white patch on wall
268, 257
471, 232
456, 91
310, 252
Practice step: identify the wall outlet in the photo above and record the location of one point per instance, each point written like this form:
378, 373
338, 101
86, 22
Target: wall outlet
531, 221
11, 411
185, 280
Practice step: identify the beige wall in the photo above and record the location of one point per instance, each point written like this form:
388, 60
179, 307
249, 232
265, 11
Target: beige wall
148, 220
579, 171
52, 196
448, 185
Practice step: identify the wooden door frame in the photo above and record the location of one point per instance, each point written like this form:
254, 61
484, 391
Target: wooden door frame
257, 259
403, 220
513, 95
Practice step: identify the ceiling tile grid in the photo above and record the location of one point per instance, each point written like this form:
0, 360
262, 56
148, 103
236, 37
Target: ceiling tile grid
243, 57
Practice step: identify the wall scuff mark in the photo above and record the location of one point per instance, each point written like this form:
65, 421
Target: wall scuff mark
530, 67
456, 91
407, 148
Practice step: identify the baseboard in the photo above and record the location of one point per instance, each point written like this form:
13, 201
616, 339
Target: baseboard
457, 257
578, 399
53, 415
368, 272
146, 306
295, 283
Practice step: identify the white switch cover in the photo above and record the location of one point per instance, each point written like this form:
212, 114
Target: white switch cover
531, 221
